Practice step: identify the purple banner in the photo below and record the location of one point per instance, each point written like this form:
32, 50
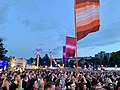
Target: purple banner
65, 59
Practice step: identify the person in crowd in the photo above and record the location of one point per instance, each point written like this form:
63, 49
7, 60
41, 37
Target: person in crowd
66, 79
5, 84
24, 82
32, 84
49, 86
41, 82
57, 84
16, 84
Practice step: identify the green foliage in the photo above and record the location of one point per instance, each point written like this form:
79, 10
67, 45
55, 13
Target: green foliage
46, 60
41, 61
71, 63
112, 61
3, 51
31, 59
80, 63
105, 61
97, 61
60, 63
116, 58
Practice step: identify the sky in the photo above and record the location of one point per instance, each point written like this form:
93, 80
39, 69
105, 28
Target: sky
27, 24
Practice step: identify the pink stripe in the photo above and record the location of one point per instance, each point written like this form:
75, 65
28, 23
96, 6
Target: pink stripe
87, 20
86, 9
70, 46
86, 14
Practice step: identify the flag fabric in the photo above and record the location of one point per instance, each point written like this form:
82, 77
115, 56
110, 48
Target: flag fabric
65, 58
37, 50
38, 55
64, 53
70, 46
50, 58
86, 17
51, 55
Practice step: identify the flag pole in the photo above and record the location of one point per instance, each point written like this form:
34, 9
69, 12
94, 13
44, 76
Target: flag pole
51, 59
76, 40
38, 55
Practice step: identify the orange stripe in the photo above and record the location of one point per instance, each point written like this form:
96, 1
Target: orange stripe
88, 26
87, 20
86, 4
82, 34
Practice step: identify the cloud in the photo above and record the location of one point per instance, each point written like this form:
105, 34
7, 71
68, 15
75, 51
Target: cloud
57, 50
41, 25
62, 37
35, 26
67, 30
107, 35
4, 38
4, 8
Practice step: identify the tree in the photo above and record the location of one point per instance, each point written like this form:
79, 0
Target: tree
60, 62
116, 58
71, 63
41, 61
3, 51
46, 59
105, 61
80, 63
31, 59
112, 62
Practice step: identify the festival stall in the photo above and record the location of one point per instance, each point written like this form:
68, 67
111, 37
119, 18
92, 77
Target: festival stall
17, 64
3, 64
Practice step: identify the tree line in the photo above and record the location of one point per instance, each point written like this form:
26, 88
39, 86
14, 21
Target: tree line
95, 62
3, 51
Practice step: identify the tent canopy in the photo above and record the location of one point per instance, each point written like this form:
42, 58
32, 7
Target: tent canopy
3, 63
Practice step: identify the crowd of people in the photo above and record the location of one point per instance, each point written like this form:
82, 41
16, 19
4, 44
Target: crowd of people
60, 80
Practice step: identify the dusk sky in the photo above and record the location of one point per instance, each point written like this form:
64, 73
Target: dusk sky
25, 24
